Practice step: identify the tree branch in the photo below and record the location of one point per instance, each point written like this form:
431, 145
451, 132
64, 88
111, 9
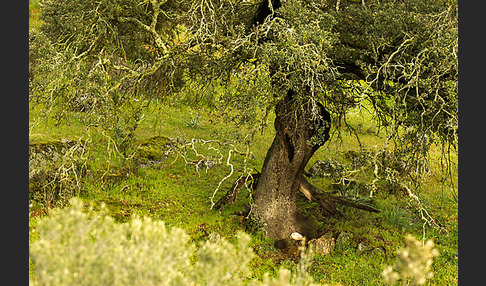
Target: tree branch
160, 43
232, 195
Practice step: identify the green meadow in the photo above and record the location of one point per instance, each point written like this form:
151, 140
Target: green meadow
179, 193
182, 157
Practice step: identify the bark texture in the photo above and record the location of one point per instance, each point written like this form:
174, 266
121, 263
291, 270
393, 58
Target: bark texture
275, 195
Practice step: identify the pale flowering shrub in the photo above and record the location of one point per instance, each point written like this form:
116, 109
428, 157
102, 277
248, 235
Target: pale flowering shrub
414, 263
87, 247
81, 246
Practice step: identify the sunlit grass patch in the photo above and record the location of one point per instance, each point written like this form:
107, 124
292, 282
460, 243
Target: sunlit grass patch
180, 194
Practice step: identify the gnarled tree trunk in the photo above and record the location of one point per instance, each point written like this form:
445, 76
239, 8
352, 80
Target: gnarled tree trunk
275, 194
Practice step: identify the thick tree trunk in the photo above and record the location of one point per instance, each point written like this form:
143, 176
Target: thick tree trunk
275, 194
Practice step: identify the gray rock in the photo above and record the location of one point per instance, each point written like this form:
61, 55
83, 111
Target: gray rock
323, 245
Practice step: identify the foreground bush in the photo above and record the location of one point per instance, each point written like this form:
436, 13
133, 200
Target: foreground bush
80, 246
413, 263
87, 247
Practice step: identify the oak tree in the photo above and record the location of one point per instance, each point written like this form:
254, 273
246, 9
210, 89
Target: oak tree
310, 61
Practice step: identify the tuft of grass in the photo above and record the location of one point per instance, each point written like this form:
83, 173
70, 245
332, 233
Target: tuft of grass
193, 122
398, 217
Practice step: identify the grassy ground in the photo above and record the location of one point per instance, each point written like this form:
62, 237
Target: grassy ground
180, 195
34, 13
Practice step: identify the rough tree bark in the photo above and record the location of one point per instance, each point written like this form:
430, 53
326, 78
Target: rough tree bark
276, 192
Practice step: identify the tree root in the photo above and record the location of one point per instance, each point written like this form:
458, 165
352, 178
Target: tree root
313, 193
326, 200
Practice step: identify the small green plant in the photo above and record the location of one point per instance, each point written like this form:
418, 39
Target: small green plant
413, 262
398, 217
454, 198
194, 122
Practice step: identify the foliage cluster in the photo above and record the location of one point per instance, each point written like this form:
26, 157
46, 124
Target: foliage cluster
61, 85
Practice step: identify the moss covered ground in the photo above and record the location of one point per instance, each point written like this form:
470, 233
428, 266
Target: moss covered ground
174, 190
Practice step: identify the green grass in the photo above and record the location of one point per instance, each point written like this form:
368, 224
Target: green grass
180, 196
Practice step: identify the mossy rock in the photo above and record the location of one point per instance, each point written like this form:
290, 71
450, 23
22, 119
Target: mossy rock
52, 180
155, 148
50, 147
